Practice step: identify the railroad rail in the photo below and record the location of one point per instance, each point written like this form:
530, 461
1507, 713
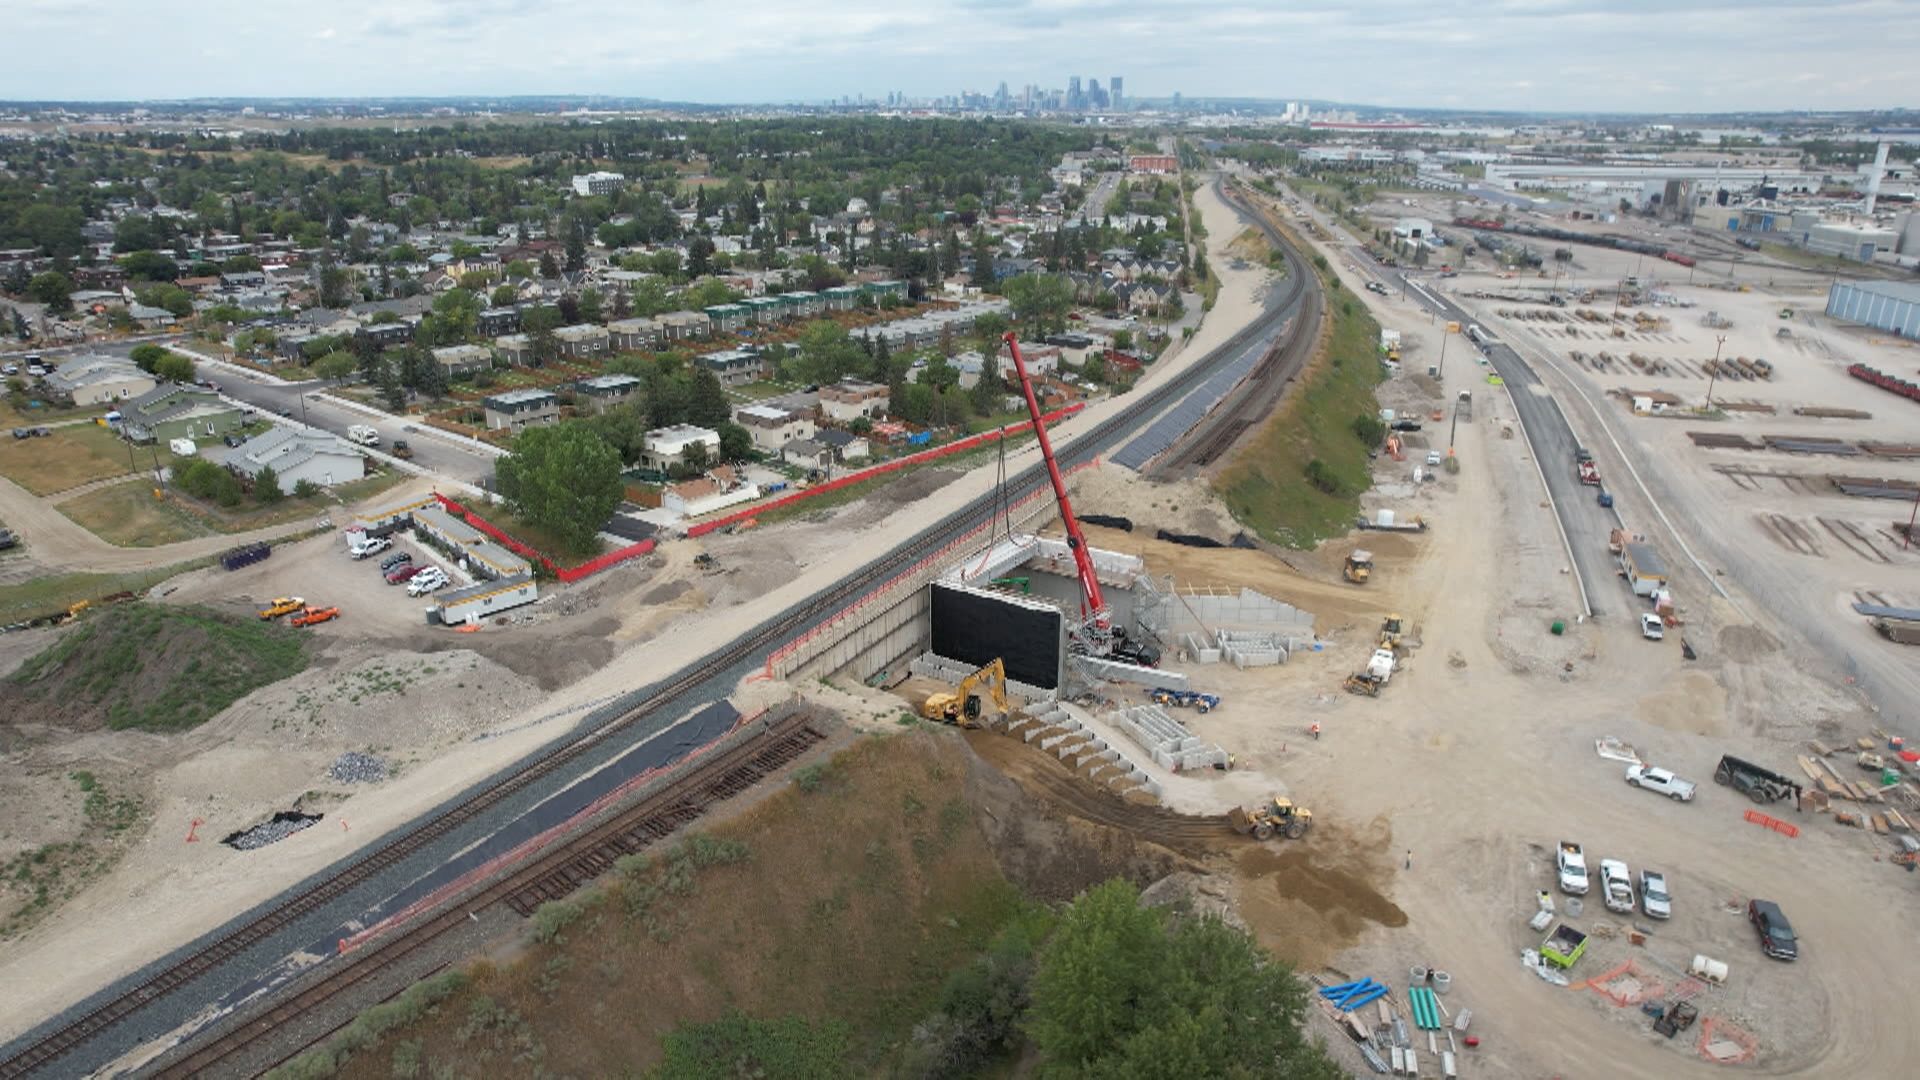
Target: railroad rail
554, 875
1254, 396
109, 1009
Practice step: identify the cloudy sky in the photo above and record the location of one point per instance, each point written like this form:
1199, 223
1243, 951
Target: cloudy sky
1650, 55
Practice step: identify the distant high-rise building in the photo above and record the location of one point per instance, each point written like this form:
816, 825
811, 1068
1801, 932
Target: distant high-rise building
1176, 99
1074, 100
1000, 96
1114, 93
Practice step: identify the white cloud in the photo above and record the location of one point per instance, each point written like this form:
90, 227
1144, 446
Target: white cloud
1668, 55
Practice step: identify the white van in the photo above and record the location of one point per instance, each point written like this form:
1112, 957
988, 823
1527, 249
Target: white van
363, 435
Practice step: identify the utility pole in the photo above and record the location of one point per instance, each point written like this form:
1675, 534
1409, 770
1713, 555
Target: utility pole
1907, 541
1718, 341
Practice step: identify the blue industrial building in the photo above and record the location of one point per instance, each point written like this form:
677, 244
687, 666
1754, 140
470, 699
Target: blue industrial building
1893, 306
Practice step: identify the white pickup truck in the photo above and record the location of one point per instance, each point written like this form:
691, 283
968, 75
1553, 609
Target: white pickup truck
1616, 886
363, 435
1573, 869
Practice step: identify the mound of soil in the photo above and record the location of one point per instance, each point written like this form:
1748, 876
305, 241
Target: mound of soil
149, 666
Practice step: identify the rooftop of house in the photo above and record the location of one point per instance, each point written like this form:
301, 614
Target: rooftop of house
528, 396
284, 448
673, 438
767, 413
608, 383
837, 438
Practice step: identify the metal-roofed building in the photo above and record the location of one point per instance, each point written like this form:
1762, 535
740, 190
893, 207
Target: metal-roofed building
518, 409
1892, 306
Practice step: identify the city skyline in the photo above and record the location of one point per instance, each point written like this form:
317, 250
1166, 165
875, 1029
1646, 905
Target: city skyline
1552, 55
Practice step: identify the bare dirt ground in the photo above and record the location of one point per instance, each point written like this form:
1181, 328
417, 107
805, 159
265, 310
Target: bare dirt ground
1444, 797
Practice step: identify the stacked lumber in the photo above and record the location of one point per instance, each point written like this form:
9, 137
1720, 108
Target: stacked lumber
1833, 785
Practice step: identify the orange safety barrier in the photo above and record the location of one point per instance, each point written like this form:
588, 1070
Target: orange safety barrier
968, 443
1782, 827
568, 574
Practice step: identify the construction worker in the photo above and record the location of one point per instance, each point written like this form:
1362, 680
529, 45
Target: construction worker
1315, 729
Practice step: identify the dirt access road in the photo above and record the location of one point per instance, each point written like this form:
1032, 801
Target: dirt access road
59, 543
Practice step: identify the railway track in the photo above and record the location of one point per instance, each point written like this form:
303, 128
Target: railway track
553, 876
1255, 396
286, 921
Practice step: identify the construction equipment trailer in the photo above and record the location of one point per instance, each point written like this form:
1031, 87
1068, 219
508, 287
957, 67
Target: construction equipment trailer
1756, 782
1095, 635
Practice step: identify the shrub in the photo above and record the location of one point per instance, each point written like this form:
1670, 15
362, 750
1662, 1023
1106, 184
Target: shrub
1370, 429
1322, 477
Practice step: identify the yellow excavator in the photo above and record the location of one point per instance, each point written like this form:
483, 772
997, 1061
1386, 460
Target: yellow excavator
1390, 631
962, 707
1359, 567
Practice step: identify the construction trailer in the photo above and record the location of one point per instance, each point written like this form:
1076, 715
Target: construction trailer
1642, 568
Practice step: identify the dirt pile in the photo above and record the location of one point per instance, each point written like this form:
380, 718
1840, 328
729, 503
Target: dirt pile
150, 667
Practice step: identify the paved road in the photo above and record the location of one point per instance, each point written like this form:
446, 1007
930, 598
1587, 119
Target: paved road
1583, 522
432, 452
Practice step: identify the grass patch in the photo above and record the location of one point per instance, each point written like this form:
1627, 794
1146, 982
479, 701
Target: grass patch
760, 391
127, 515
156, 668
1299, 481
29, 410
35, 882
813, 928
50, 594
69, 457
542, 540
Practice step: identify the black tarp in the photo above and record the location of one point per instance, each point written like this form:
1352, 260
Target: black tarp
977, 629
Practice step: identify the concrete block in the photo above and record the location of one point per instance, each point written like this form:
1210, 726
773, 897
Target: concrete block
1052, 741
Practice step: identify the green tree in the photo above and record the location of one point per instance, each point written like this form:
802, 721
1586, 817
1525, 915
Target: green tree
149, 266
1040, 302
650, 298
736, 443
173, 366
986, 393
1119, 992
707, 294
459, 313
335, 366
53, 289
503, 296
707, 405
564, 479
827, 354
146, 356
266, 486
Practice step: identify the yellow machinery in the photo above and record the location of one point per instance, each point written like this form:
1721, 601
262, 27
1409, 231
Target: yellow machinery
284, 605
962, 706
1390, 630
1359, 567
1279, 816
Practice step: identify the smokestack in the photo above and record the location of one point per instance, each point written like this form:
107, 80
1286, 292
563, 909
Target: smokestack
1873, 181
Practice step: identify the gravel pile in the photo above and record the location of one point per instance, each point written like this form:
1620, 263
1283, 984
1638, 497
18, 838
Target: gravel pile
279, 827
353, 767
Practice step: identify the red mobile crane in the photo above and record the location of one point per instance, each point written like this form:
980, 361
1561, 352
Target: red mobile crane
1097, 635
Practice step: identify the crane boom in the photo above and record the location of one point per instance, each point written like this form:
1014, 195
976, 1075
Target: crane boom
1093, 605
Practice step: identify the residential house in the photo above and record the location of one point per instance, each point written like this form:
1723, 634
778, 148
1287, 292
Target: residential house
735, 367
517, 409
173, 411
585, 340
314, 457
805, 305
728, 318
634, 335
494, 322
773, 427
515, 349
850, 398
389, 334
684, 325
603, 392
150, 318
846, 445
1074, 348
807, 454
840, 297
463, 359
718, 489
1040, 359
598, 183
885, 290
969, 364
98, 380
663, 448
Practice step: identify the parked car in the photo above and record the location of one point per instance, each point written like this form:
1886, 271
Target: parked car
401, 573
1651, 627
1616, 886
394, 560
1660, 782
10, 369
426, 581
1776, 933
371, 546
1654, 898
7, 539
232, 440
1433, 457
283, 411
36, 371
22, 433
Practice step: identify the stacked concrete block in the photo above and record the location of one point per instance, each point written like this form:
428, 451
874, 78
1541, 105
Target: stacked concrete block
1165, 740
1246, 648
933, 666
1115, 671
